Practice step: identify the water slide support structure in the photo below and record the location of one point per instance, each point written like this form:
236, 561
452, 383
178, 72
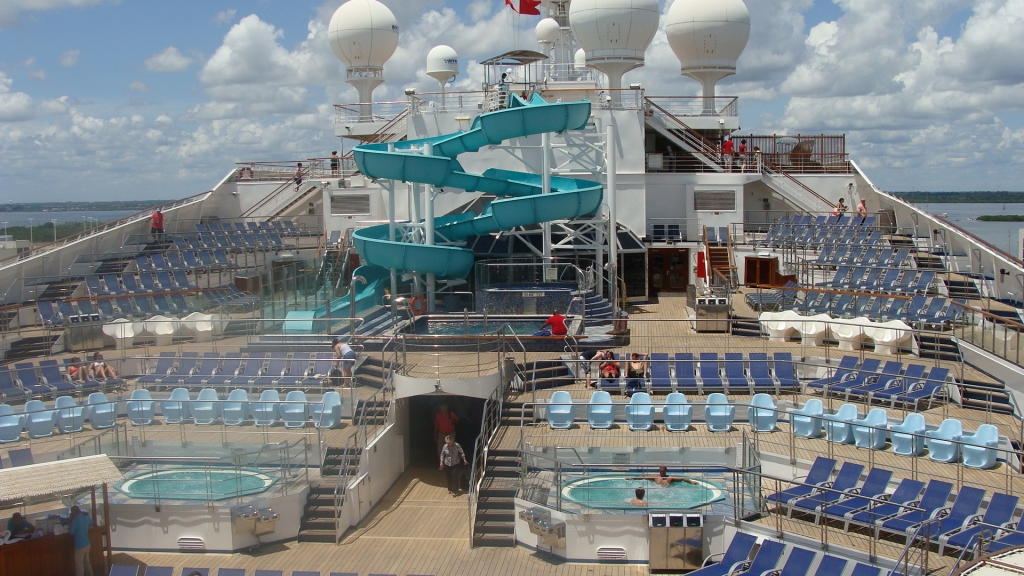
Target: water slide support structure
428, 236
545, 175
613, 241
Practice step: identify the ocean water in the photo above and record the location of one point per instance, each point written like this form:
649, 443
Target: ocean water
1002, 235
78, 217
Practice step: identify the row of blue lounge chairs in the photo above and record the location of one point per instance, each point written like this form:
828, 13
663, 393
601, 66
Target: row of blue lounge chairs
54, 313
677, 412
231, 240
864, 256
900, 512
683, 373
806, 231
917, 310
185, 260
65, 416
235, 370
892, 384
237, 409
147, 282
737, 560
282, 227
119, 570
881, 279
26, 381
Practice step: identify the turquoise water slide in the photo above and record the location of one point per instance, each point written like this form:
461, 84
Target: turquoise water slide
521, 200
367, 296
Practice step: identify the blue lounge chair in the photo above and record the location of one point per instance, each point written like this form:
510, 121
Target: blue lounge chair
830, 566
685, 374
846, 479
738, 551
177, 408
560, 410
785, 372
912, 374
889, 373
100, 411
966, 506
979, 449
600, 412
846, 367
797, 564
296, 371
140, 407
228, 370
839, 426
865, 570
118, 570
8, 388
235, 411
820, 472
253, 367
806, 421
762, 413
930, 389
874, 487
70, 416
39, 421
677, 412
767, 557
265, 410
613, 384
186, 365
1000, 511
164, 366
718, 413
760, 375
935, 496
27, 376
640, 412
870, 431
322, 365
50, 371
736, 381
207, 369
661, 379
905, 494
327, 414
855, 379
908, 436
293, 409
206, 408
276, 368
710, 372
943, 443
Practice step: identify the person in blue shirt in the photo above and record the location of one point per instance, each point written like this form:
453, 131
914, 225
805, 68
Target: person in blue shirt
79, 528
18, 526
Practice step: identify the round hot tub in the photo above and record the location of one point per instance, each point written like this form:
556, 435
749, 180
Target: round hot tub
195, 483
616, 491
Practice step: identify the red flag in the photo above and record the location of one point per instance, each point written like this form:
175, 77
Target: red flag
528, 7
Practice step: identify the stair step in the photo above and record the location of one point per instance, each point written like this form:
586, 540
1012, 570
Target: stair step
493, 541
483, 527
326, 536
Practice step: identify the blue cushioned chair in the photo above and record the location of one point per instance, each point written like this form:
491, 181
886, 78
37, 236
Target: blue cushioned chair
942, 443
176, 408
600, 412
677, 412
980, 448
235, 411
718, 413
767, 557
762, 413
908, 436
140, 407
327, 414
11, 424
293, 410
206, 409
839, 426
738, 551
560, 410
1001, 509
846, 479
265, 410
39, 422
807, 420
70, 416
100, 411
870, 431
935, 496
640, 412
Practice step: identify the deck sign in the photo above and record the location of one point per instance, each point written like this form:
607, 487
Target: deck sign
533, 294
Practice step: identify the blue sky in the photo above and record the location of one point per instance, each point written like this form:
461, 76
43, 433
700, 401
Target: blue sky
159, 99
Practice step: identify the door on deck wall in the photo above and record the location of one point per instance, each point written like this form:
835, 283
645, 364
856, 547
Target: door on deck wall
669, 269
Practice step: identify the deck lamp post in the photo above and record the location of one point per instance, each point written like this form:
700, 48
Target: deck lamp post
54, 230
30, 220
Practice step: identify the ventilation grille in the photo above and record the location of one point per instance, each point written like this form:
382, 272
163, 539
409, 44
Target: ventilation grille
714, 200
611, 553
350, 204
191, 543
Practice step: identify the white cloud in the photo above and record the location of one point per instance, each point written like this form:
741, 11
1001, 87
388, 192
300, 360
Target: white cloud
138, 87
224, 17
168, 60
10, 9
14, 106
69, 58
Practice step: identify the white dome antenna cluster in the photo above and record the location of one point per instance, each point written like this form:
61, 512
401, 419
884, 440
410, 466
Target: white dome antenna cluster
708, 37
548, 31
364, 35
615, 34
442, 65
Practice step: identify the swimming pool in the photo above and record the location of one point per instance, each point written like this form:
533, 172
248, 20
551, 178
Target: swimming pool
616, 490
475, 326
196, 483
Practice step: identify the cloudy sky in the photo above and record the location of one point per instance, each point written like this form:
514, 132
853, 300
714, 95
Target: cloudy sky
109, 99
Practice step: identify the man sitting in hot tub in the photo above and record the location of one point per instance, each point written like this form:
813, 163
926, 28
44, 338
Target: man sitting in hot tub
663, 479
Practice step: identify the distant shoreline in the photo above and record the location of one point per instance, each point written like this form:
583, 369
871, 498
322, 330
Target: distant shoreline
996, 197
132, 205
1001, 218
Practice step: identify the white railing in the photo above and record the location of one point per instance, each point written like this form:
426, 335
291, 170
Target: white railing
356, 113
698, 105
794, 190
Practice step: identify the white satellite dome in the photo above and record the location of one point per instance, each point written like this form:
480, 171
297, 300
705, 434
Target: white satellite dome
548, 31
708, 33
442, 63
363, 34
580, 59
614, 28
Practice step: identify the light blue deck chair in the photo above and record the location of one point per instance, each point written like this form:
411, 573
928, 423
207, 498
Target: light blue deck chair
908, 436
870, 431
942, 443
839, 426
39, 422
265, 410
980, 448
718, 413
806, 421
640, 412
206, 408
176, 408
235, 410
70, 416
677, 412
11, 424
101, 412
140, 407
327, 414
762, 413
293, 411
600, 411
560, 410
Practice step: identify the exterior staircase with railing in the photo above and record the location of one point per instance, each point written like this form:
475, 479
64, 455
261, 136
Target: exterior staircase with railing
793, 190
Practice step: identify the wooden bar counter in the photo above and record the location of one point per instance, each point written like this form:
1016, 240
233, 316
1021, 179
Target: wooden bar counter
50, 555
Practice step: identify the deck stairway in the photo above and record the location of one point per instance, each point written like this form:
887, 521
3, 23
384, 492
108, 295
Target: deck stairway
543, 374
986, 396
317, 523
745, 327
597, 307
721, 260
677, 132
962, 288
31, 347
59, 290
495, 522
927, 261
371, 372
939, 345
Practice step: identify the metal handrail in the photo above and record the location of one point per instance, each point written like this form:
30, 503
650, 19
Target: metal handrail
489, 426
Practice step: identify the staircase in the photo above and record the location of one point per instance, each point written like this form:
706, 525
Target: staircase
597, 308
317, 523
720, 259
962, 288
939, 345
926, 261
376, 411
495, 523
674, 130
986, 396
745, 327
371, 373
31, 347
547, 374
59, 290
793, 190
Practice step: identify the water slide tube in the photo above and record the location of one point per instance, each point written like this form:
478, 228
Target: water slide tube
521, 202
367, 296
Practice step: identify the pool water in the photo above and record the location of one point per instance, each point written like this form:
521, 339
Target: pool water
196, 484
457, 328
616, 491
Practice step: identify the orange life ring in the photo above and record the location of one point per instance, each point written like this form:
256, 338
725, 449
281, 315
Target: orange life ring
418, 305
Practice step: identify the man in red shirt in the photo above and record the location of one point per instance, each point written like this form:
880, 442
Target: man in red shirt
444, 424
157, 227
557, 324
727, 150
